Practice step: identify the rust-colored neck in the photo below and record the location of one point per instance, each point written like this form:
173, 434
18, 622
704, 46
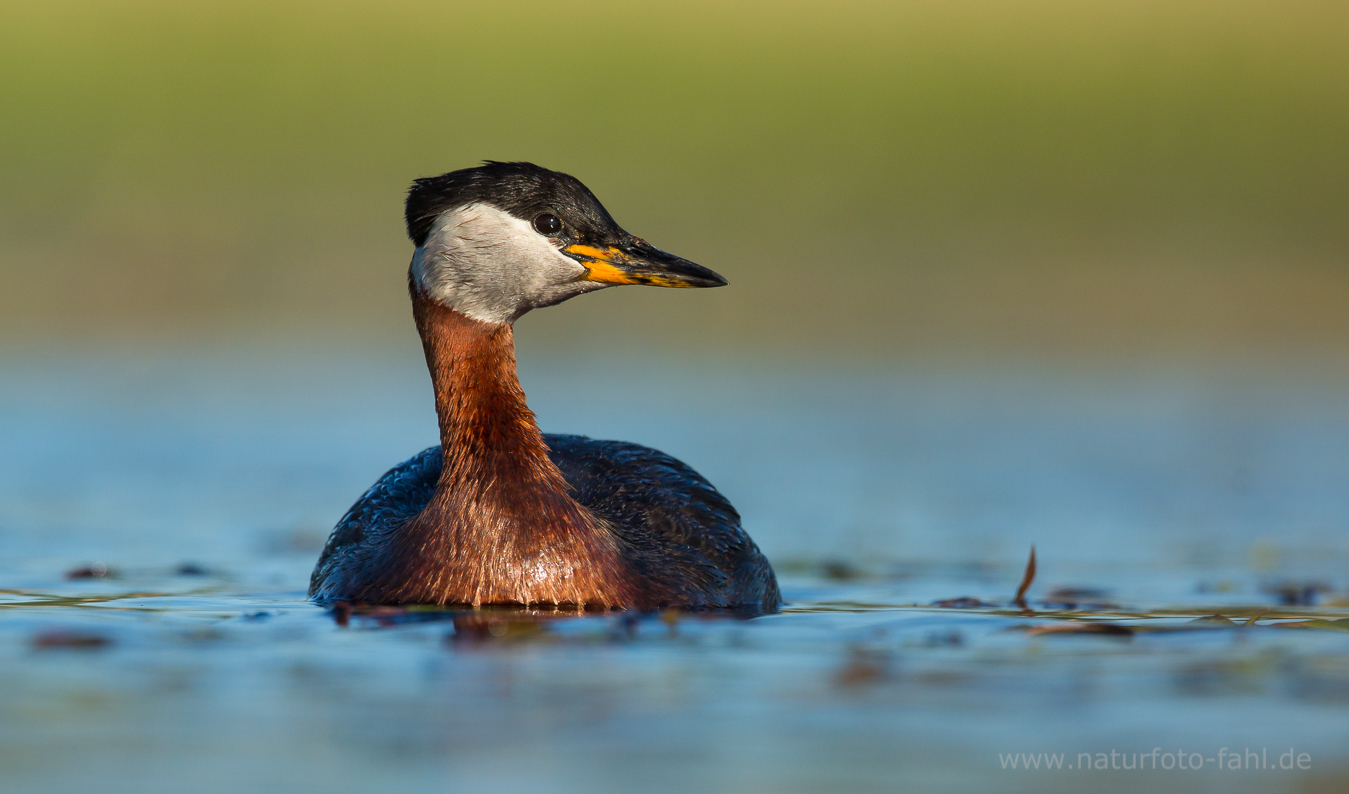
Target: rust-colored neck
501, 527
485, 425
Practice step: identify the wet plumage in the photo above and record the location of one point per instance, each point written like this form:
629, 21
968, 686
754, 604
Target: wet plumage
677, 527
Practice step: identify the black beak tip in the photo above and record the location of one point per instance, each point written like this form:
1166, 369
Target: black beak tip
674, 268
715, 279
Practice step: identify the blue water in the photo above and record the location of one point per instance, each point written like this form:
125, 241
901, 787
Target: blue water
1171, 494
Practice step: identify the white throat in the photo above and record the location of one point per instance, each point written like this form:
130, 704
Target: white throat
492, 266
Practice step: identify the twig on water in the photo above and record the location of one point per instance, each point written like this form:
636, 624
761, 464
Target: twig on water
1026, 579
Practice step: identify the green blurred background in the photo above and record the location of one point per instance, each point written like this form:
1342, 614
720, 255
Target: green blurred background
1082, 180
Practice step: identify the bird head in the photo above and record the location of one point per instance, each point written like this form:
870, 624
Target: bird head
498, 240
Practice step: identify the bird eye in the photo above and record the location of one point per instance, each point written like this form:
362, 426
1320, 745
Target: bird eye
547, 224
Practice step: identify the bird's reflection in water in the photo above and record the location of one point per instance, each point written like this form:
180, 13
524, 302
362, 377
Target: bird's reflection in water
464, 618
519, 624
478, 629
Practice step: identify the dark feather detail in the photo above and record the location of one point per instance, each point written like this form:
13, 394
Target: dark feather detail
521, 189
679, 532
393, 501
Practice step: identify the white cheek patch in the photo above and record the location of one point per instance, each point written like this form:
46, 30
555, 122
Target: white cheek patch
493, 267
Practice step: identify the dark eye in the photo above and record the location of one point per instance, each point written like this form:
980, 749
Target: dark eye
547, 224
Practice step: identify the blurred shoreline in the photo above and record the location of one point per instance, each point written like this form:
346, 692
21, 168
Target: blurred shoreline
1154, 181
1291, 321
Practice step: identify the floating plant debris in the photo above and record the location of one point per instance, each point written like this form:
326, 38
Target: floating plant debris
1215, 620
1026, 579
93, 571
70, 639
963, 602
1108, 629
1295, 594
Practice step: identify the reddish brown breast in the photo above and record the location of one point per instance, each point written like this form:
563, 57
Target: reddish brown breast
501, 527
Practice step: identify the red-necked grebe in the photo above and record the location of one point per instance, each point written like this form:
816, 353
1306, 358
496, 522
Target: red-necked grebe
500, 513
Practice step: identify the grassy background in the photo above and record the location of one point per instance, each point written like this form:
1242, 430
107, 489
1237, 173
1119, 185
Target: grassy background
1068, 179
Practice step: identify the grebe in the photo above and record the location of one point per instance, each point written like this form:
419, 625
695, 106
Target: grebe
500, 513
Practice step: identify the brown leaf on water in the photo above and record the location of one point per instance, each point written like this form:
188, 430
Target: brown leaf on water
964, 602
1215, 620
94, 571
75, 640
1026, 579
1076, 594
1109, 629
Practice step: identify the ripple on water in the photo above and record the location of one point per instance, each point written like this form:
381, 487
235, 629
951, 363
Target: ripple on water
1191, 593
173, 674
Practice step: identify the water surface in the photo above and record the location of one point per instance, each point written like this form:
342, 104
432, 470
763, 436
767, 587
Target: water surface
194, 493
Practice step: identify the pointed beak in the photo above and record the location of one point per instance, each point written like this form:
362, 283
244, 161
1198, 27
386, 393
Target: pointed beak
641, 263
